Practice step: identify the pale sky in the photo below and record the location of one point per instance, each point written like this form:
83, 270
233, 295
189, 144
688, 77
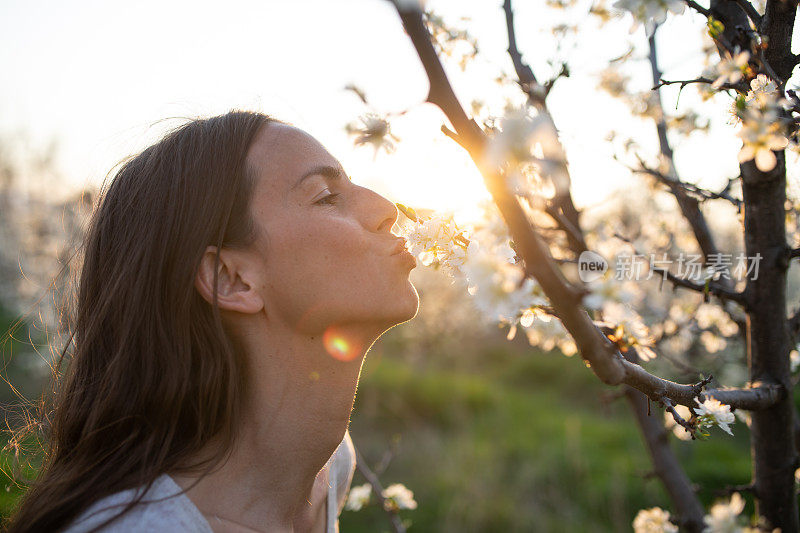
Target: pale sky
100, 77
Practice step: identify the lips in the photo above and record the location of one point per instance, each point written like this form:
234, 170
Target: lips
400, 246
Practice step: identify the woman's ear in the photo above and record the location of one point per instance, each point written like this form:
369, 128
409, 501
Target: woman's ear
236, 287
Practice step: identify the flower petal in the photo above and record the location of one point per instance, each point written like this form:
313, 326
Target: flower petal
765, 160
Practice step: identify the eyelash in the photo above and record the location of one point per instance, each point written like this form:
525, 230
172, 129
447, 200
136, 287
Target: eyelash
330, 198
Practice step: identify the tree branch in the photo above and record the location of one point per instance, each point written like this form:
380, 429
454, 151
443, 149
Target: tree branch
575, 235
754, 398
720, 291
697, 7
525, 77
377, 489
564, 208
701, 193
666, 465
723, 292
778, 26
794, 327
688, 206
537, 261
751, 12
687, 505
741, 87
602, 355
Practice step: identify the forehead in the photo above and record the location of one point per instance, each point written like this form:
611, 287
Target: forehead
281, 154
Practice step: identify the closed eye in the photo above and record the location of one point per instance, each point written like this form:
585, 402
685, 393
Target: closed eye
330, 199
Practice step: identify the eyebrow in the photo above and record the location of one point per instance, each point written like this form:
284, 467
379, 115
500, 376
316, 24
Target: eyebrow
327, 171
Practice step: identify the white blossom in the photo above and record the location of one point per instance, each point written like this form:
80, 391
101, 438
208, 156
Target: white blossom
548, 333
631, 329
712, 342
731, 69
373, 130
653, 520
497, 284
761, 133
762, 90
439, 242
724, 517
713, 412
649, 12
358, 497
527, 149
710, 315
397, 496
794, 360
706, 91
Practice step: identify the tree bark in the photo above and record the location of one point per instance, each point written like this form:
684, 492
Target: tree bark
772, 430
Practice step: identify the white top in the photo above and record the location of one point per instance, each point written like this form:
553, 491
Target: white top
176, 513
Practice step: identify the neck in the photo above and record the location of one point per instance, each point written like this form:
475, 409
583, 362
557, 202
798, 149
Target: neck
295, 414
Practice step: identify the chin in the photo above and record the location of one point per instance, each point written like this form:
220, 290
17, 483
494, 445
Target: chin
403, 309
407, 304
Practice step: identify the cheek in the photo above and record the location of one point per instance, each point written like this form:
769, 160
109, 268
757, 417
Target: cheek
323, 261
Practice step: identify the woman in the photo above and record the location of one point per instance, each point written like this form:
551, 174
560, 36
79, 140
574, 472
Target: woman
233, 280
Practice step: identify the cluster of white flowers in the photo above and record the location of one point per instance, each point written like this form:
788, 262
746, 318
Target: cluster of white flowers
731, 69
762, 129
457, 44
649, 12
486, 263
358, 497
498, 285
723, 517
763, 91
513, 142
396, 496
709, 315
631, 329
527, 149
614, 82
606, 289
687, 123
712, 412
653, 520
712, 342
437, 241
546, 332
762, 132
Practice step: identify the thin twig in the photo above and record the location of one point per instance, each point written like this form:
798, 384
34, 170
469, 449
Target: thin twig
697, 7
377, 489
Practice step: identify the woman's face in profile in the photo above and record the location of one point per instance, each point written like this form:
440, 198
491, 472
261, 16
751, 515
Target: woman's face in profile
325, 243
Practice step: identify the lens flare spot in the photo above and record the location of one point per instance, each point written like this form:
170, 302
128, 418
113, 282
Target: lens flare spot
314, 375
339, 346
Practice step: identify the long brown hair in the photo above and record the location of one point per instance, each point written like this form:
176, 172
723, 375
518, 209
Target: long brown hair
152, 377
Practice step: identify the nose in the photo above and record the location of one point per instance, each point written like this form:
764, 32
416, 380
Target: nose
381, 213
